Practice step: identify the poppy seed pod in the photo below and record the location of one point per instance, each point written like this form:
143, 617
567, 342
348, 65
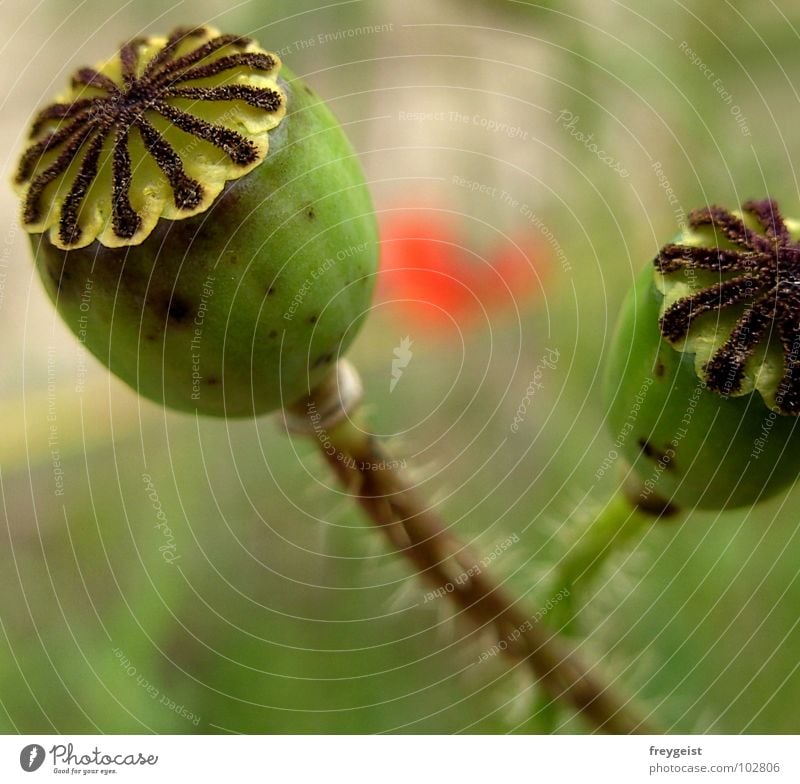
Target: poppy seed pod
703, 383
201, 222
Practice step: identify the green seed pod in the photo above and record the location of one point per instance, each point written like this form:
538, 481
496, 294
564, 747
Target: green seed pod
201, 222
703, 383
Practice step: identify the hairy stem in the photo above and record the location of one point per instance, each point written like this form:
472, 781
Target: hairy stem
624, 518
417, 532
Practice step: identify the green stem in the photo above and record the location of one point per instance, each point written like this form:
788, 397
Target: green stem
620, 522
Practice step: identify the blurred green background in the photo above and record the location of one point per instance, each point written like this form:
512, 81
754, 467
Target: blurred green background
279, 609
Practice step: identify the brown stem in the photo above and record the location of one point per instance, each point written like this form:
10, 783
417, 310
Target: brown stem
417, 532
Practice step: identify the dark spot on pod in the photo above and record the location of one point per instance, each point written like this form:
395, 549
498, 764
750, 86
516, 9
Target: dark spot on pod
311, 214
184, 233
151, 338
646, 447
178, 309
664, 459
270, 291
308, 89
312, 319
325, 359
273, 333
654, 505
660, 369
212, 381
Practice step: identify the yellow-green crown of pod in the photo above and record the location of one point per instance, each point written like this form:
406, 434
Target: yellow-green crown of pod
154, 132
731, 286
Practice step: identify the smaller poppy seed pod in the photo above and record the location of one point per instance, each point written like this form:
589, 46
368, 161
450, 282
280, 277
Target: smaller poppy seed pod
201, 222
703, 383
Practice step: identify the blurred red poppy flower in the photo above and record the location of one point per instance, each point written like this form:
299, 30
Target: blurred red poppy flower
428, 271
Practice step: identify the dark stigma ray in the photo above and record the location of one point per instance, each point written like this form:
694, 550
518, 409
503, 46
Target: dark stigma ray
237, 147
33, 154
255, 60
260, 98
769, 216
124, 219
672, 258
32, 208
678, 318
190, 58
725, 370
175, 39
60, 111
91, 78
187, 193
788, 395
129, 60
69, 231
730, 225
